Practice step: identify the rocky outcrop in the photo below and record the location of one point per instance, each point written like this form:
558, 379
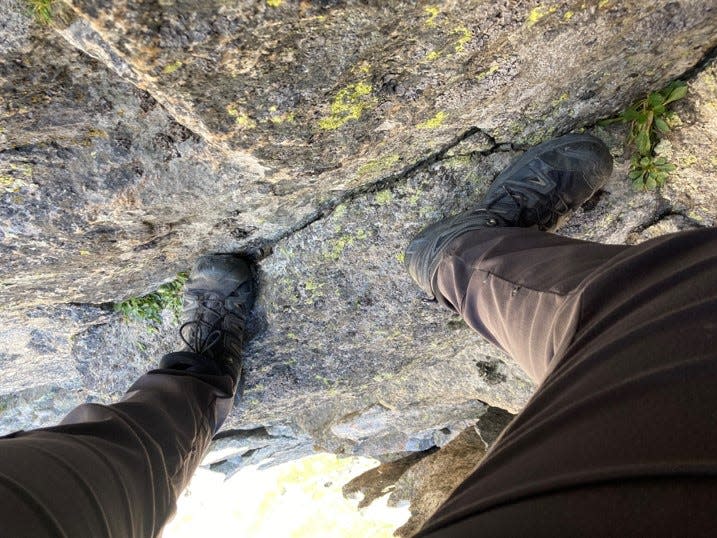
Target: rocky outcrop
190, 127
318, 137
99, 182
426, 479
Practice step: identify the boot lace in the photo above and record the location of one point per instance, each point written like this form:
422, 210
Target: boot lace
198, 334
520, 200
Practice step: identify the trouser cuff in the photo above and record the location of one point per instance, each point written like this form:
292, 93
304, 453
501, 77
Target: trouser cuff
188, 361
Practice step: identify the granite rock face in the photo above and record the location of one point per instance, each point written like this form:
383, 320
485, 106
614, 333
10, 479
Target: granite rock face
197, 126
693, 149
104, 194
318, 137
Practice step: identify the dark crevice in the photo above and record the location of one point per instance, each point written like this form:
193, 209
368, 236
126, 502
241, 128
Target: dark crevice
107, 306
700, 66
392, 180
664, 211
262, 248
260, 431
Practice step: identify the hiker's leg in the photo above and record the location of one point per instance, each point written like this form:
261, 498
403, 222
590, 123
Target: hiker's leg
619, 438
112, 470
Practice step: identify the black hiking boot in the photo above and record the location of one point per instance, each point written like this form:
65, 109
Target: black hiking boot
217, 300
538, 190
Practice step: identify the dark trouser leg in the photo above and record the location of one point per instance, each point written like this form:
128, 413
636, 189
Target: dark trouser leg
620, 438
113, 470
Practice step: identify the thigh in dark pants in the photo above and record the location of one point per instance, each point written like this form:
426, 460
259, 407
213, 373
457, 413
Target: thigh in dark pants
621, 437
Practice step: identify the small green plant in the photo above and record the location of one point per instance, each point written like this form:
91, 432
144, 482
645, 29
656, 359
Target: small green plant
41, 10
649, 118
649, 171
149, 308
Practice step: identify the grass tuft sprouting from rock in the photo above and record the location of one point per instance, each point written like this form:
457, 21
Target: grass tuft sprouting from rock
148, 308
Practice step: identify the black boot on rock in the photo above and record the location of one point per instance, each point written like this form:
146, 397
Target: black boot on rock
218, 298
537, 190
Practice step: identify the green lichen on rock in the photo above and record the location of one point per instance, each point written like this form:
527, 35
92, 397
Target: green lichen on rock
311, 285
384, 197
457, 162
432, 12
171, 68
278, 118
348, 104
337, 246
241, 118
11, 184
13, 178
488, 72
378, 165
538, 13
434, 122
562, 98
339, 210
433, 55
465, 36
